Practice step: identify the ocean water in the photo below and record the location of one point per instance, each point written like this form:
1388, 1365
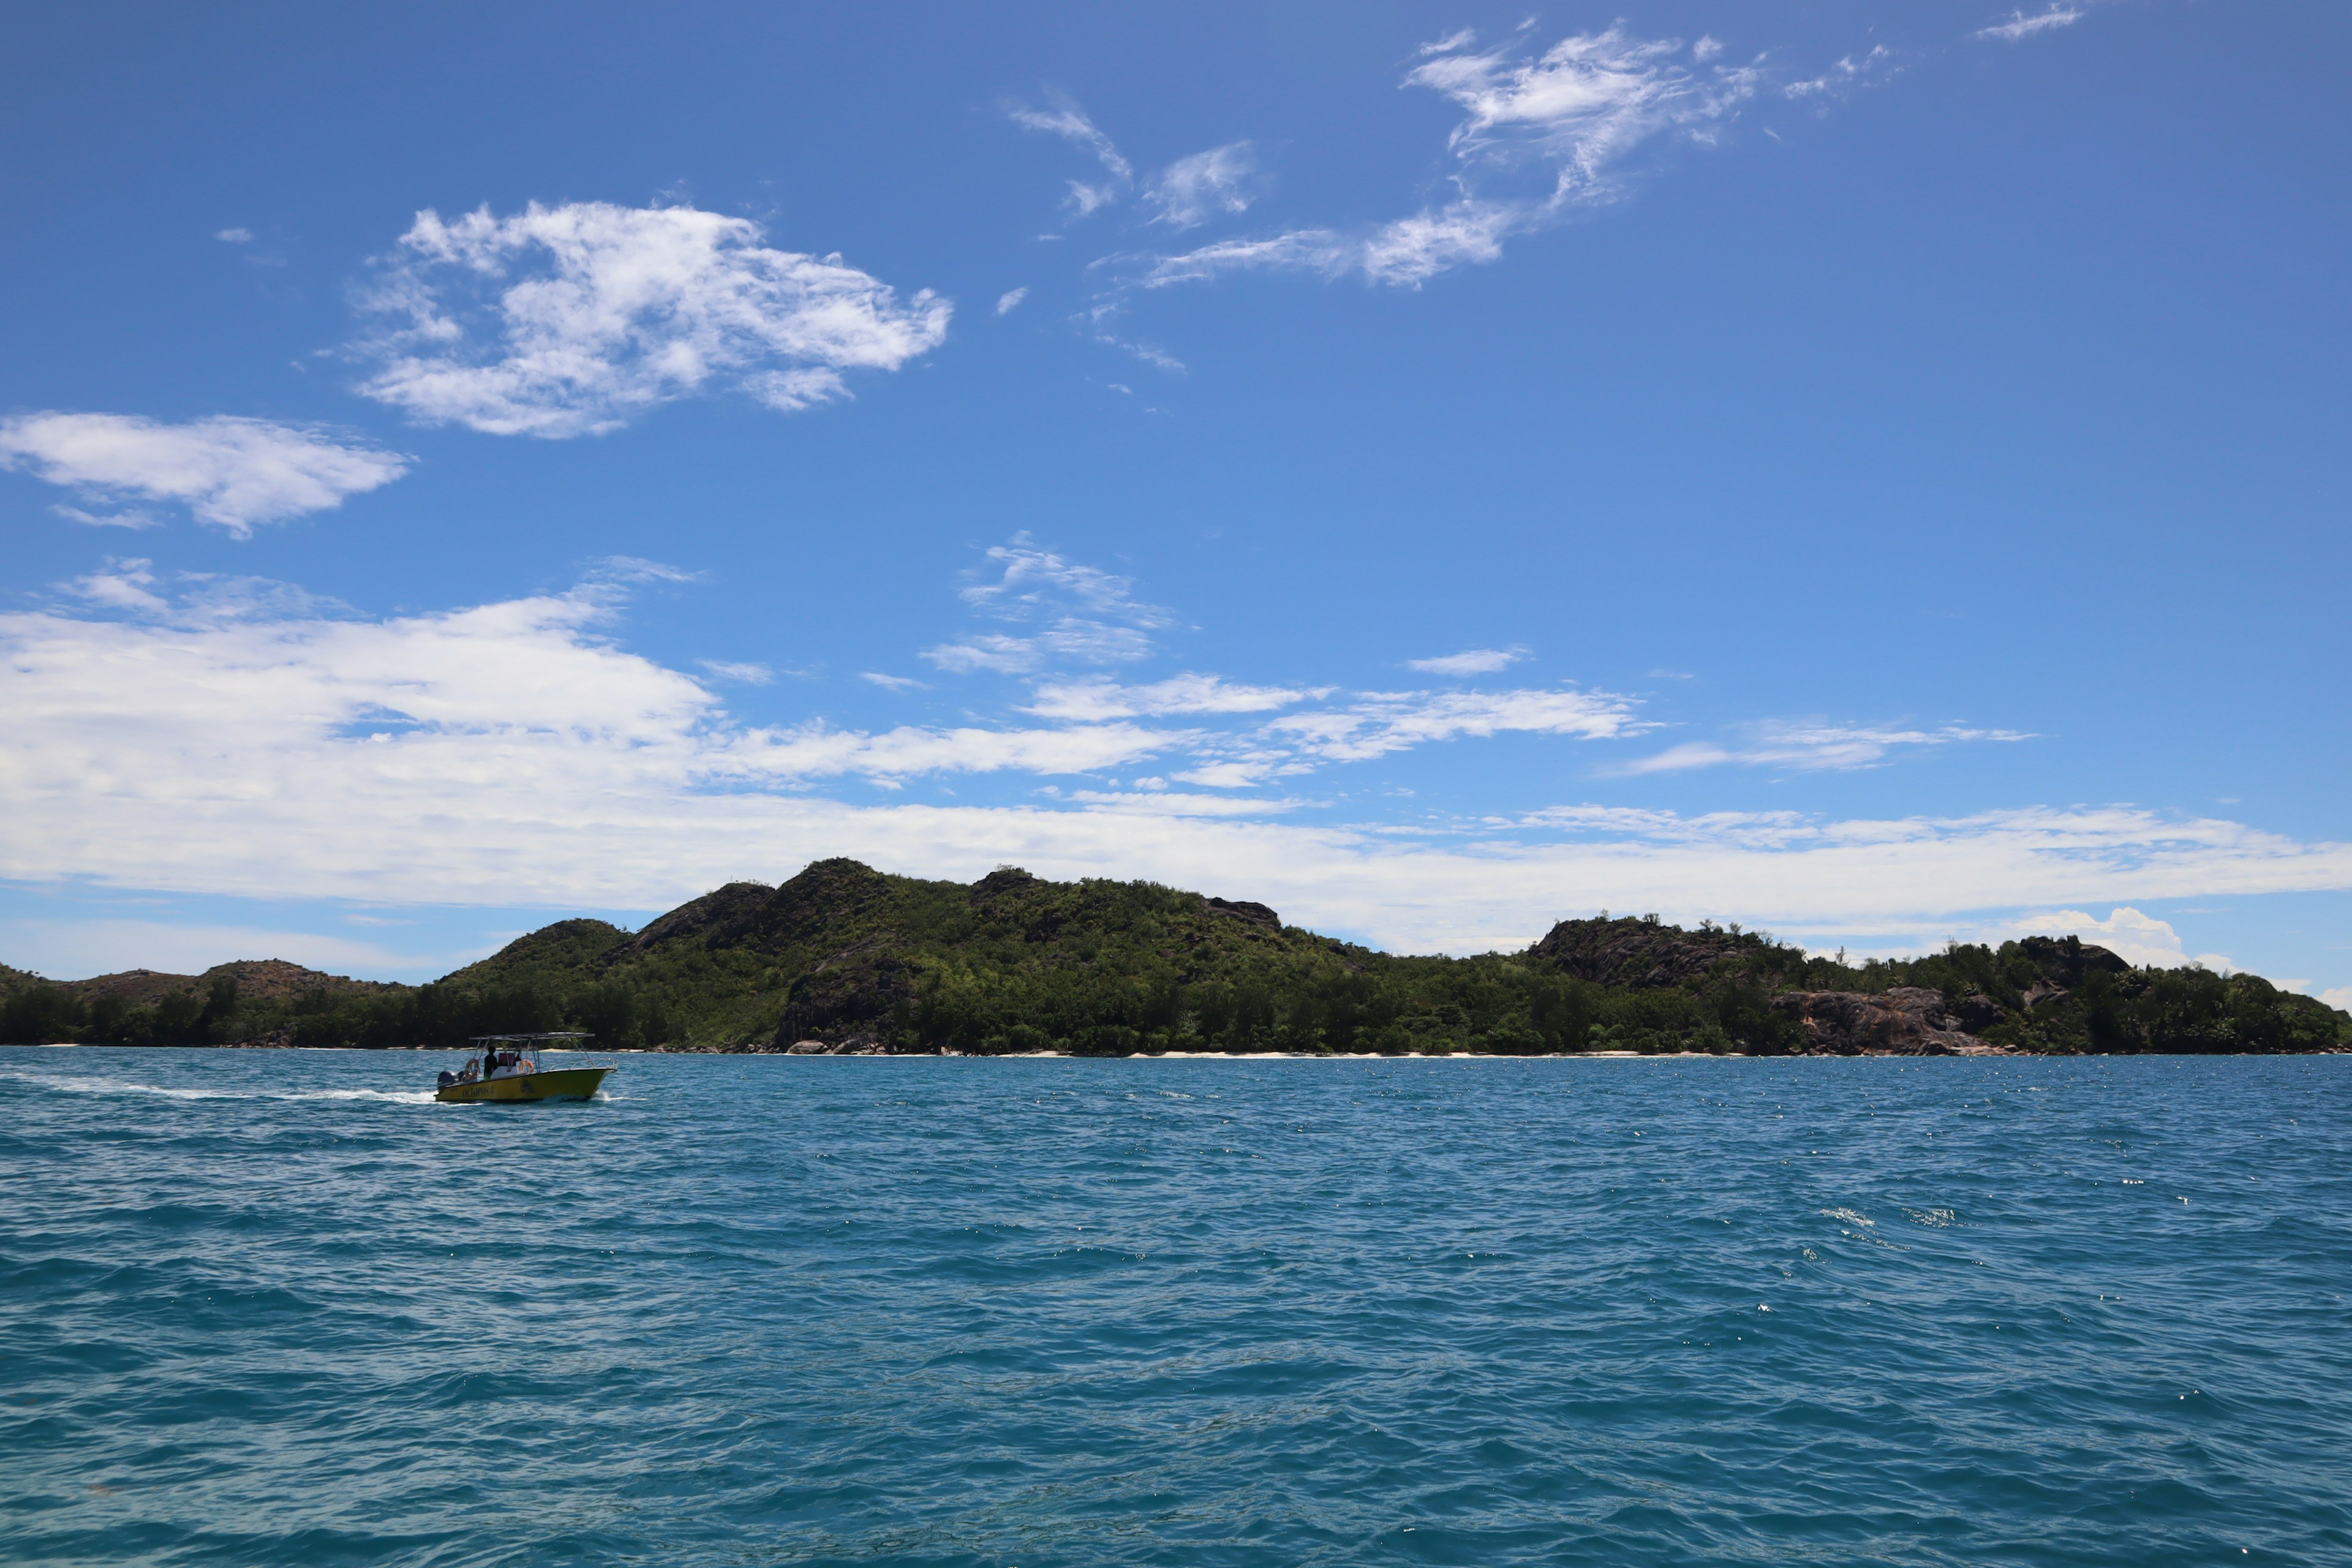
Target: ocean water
278, 1308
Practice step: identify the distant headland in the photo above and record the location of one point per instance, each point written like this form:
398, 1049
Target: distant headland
846, 960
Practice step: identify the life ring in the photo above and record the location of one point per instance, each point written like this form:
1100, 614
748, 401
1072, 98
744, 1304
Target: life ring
527, 1067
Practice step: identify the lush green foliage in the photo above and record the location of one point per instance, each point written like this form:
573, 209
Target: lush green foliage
844, 955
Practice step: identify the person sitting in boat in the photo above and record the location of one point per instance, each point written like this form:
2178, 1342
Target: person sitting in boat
448, 1078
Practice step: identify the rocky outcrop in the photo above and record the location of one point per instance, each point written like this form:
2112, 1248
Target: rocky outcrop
1243, 910
1642, 953
846, 1004
1907, 1021
719, 918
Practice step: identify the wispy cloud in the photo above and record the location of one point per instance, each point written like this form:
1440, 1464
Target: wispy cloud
819, 750
1850, 72
1219, 182
574, 320
1009, 300
1808, 747
512, 754
1470, 661
2020, 26
1069, 122
234, 236
1373, 724
893, 682
1100, 698
1178, 802
232, 473
743, 674
1572, 116
1074, 613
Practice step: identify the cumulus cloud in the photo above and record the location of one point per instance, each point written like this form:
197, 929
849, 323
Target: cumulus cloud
2020, 26
514, 754
1470, 661
574, 320
1807, 746
1191, 191
2135, 938
230, 472
1566, 120
511, 755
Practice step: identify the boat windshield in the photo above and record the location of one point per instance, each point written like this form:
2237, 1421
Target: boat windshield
499, 1055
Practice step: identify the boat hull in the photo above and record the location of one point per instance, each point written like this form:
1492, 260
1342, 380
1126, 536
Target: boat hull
527, 1088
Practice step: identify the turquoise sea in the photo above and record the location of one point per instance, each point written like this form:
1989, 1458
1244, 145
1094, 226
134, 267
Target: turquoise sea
263, 1307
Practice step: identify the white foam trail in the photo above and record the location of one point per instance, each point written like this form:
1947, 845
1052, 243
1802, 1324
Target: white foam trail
121, 1086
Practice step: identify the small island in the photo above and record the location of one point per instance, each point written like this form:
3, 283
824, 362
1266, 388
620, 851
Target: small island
846, 960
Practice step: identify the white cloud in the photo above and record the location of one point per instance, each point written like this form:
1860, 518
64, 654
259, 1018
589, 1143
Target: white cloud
234, 236
894, 683
1167, 803
1100, 697
1008, 298
2340, 998
1572, 116
574, 320
230, 472
1081, 613
1069, 122
1217, 182
819, 750
1380, 722
2020, 25
989, 651
527, 761
76, 949
637, 569
1807, 746
1470, 661
133, 518
748, 674
2135, 938
127, 584
1851, 71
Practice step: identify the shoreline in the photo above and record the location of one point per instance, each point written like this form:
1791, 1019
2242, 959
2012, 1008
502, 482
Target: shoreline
1239, 1056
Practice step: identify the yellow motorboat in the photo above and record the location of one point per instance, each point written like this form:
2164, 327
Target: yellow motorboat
506, 1070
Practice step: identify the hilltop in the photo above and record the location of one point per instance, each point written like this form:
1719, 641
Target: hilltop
845, 959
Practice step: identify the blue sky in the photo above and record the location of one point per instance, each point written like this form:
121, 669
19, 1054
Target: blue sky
1870, 471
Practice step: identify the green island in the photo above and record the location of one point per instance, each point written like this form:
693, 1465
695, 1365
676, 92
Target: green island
846, 960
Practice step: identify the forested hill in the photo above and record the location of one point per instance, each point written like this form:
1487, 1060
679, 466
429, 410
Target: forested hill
843, 958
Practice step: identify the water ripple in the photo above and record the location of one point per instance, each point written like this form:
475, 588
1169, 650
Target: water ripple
283, 1306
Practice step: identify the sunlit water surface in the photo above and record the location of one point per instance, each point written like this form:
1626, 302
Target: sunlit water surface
278, 1307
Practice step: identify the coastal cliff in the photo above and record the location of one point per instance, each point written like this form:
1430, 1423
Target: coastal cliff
843, 959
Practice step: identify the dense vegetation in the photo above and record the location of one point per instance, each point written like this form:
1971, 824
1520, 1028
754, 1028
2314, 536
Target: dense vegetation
856, 960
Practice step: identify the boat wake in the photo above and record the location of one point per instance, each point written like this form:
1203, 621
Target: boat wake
121, 1086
